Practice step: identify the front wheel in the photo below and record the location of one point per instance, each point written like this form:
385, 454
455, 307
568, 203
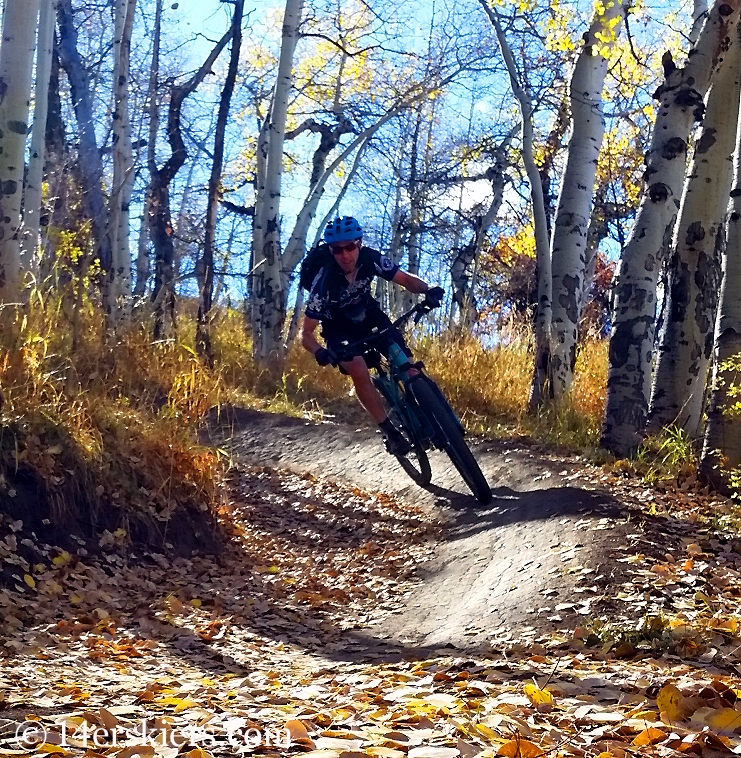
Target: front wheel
439, 412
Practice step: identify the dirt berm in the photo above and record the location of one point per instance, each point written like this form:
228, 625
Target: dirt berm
518, 564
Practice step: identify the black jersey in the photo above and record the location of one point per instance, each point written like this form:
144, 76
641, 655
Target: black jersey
343, 306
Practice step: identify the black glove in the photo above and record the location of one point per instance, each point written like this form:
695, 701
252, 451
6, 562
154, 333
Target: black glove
323, 356
434, 296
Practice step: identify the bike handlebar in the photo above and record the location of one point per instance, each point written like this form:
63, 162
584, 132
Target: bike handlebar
352, 349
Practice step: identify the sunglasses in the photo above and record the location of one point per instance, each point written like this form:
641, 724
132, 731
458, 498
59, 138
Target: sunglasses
347, 247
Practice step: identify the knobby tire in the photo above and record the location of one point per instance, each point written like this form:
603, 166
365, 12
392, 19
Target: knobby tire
440, 414
415, 463
420, 472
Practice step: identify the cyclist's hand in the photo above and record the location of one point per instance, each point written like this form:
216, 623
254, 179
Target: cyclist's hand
323, 356
434, 296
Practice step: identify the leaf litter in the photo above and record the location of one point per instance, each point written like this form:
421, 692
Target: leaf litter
110, 651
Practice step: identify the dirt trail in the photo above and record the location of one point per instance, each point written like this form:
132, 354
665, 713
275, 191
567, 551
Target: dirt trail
513, 564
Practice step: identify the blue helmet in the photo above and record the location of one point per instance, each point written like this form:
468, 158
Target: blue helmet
342, 230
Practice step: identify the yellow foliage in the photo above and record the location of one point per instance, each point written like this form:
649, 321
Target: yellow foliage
522, 242
537, 696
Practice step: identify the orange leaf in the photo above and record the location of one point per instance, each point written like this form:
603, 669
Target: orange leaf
649, 736
298, 733
520, 749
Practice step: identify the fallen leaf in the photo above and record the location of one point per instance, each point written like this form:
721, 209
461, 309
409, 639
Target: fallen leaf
537, 696
427, 751
723, 719
520, 749
649, 736
669, 702
298, 733
382, 752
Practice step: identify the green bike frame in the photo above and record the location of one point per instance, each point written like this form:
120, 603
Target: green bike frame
410, 414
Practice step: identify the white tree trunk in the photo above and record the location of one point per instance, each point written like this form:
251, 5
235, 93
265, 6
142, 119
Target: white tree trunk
123, 163
31, 240
722, 443
261, 161
570, 230
699, 11
268, 292
395, 249
142, 256
632, 337
544, 311
694, 278
16, 76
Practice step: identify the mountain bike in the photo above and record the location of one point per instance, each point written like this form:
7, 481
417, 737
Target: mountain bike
416, 406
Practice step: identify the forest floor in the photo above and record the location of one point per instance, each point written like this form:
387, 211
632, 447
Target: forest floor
350, 613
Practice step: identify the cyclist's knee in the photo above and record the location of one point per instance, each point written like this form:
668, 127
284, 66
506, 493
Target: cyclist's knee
356, 368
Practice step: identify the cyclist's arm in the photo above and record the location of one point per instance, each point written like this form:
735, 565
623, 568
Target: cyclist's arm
308, 338
410, 282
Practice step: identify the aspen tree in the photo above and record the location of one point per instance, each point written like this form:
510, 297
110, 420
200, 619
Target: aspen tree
571, 226
631, 341
542, 243
153, 111
119, 293
16, 76
694, 271
722, 443
89, 164
32, 202
268, 294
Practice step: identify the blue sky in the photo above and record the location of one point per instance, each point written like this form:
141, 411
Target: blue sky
211, 17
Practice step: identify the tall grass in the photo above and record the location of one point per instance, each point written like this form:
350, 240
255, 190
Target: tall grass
104, 435
103, 430
490, 387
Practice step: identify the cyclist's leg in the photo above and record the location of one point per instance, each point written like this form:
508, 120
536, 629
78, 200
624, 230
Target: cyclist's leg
368, 395
370, 398
357, 370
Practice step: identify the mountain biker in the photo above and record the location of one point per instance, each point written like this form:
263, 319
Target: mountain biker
340, 299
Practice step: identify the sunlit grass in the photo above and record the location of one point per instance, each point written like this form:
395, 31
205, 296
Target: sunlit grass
118, 427
490, 388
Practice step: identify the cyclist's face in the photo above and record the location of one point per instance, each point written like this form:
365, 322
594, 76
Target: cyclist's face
346, 255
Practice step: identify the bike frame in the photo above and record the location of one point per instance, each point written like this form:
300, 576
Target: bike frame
419, 407
390, 383
389, 380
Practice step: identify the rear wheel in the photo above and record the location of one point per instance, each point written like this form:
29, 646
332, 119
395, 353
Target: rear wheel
417, 465
415, 462
439, 412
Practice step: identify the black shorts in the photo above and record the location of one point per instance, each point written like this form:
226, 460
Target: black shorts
335, 338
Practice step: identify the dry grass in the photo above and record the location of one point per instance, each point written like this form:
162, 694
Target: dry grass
115, 431
490, 387
487, 386
105, 436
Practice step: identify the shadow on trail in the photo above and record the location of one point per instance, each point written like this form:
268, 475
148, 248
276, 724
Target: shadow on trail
508, 506
516, 541
494, 562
